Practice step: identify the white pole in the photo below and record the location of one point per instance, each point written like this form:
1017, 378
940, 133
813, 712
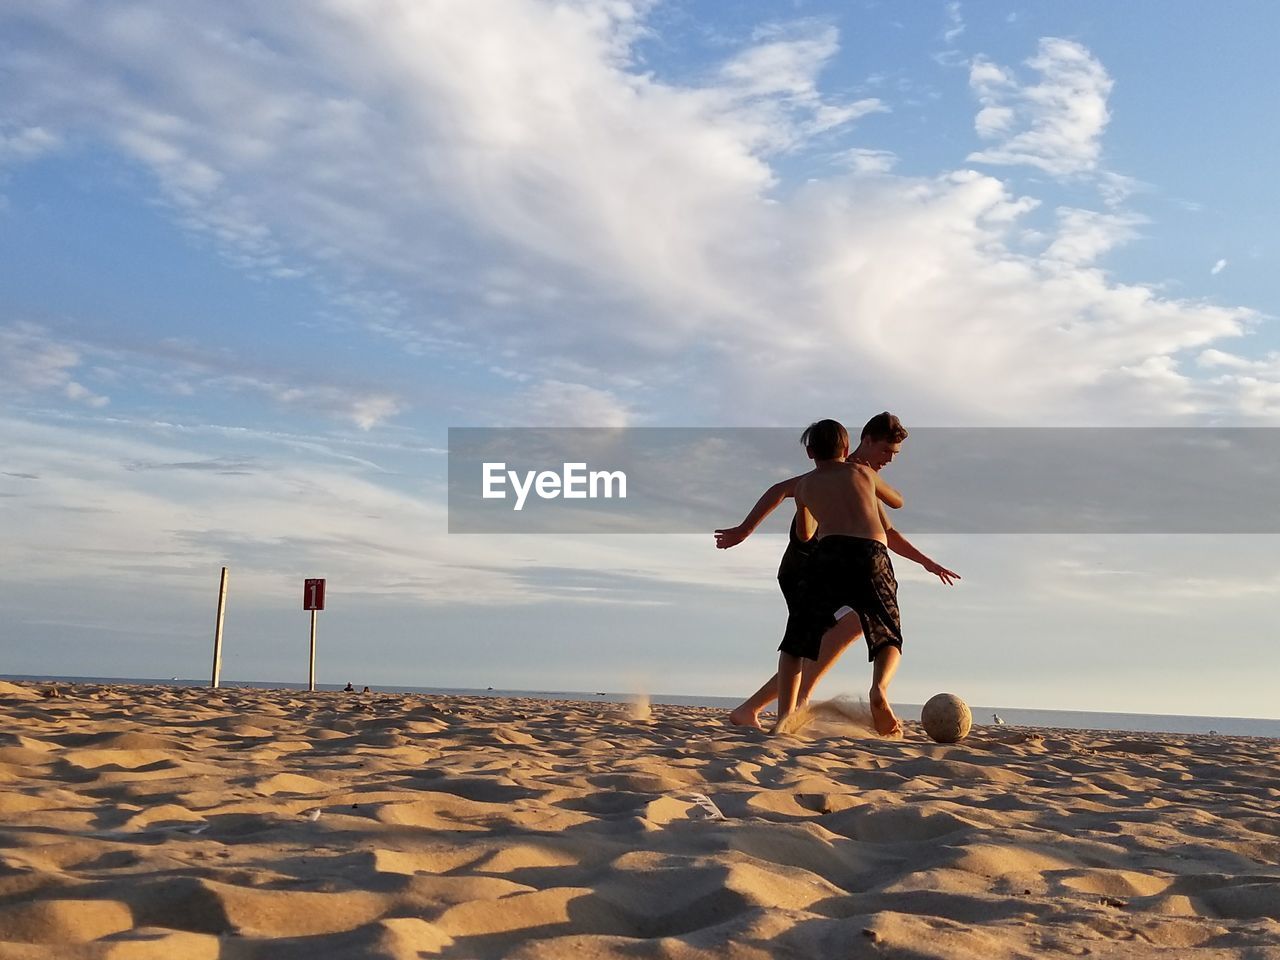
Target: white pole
311, 681
217, 633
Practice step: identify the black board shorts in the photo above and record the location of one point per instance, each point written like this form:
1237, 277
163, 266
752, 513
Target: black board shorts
849, 572
791, 570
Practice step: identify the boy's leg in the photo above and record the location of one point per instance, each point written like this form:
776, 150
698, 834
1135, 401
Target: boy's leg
878, 607
834, 642
747, 713
788, 685
886, 665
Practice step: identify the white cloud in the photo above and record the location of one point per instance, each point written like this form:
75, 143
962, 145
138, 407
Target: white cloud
33, 362
363, 408
99, 504
992, 121
554, 403
1153, 575
917, 290
77, 392
1218, 267
866, 161
955, 23
1219, 358
1055, 124
1085, 235
26, 143
1253, 384
1116, 188
587, 224
773, 87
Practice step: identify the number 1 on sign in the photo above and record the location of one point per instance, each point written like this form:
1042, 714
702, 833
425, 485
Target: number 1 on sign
313, 594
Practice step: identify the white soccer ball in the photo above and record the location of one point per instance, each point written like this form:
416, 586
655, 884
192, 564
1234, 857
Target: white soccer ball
946, 718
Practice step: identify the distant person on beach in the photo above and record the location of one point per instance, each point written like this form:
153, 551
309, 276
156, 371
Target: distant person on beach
880, 441
348, 688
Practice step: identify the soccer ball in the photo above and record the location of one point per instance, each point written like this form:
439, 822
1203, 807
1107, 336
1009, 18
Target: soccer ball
946, 718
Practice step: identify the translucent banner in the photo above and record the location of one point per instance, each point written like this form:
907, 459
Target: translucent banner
955, 480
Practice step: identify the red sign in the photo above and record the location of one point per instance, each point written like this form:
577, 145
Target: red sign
313, 595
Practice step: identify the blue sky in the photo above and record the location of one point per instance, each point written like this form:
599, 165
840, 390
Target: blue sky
254, 262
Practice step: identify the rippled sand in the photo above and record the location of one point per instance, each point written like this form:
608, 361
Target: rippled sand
143, 822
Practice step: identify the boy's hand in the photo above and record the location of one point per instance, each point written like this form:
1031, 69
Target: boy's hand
941, 572
731, 537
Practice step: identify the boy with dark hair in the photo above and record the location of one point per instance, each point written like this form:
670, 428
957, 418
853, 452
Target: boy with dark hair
884, 428
826, 439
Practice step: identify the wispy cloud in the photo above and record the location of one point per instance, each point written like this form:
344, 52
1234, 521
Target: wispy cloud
1253, 383
619, 238
1085, 235
366, 409
774, 84
864, 160
166, 514
36, 360
1055, 124
955, 23
227, 466
33, 361
1218, 267
1153, 579
556, 403
20, 144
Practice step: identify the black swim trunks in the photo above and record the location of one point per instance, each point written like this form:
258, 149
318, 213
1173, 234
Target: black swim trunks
844, 572
791, 569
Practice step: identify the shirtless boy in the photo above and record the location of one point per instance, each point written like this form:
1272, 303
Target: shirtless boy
879, 442
849, 567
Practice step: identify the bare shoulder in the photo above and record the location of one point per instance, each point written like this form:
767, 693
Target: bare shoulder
801, 483
788, 487
862, 471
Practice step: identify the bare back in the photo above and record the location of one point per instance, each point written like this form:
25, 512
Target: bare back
841, 499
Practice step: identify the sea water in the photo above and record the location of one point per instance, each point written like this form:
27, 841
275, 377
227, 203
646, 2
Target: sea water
982, 715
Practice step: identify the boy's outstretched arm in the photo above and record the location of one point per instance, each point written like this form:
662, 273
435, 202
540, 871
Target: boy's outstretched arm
768, 502
773, 497
904, 548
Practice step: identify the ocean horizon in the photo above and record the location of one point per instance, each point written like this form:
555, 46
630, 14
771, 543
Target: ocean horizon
982, 715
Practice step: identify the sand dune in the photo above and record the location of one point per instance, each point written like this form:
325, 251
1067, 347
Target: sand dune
140, 823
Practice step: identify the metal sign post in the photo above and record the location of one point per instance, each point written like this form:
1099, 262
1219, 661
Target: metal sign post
217, 631
313, 600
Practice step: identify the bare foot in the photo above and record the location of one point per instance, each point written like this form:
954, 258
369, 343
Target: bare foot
887, 723
782, 724
742, 717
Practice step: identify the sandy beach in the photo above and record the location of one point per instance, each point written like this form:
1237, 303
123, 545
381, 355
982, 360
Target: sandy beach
182, 824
